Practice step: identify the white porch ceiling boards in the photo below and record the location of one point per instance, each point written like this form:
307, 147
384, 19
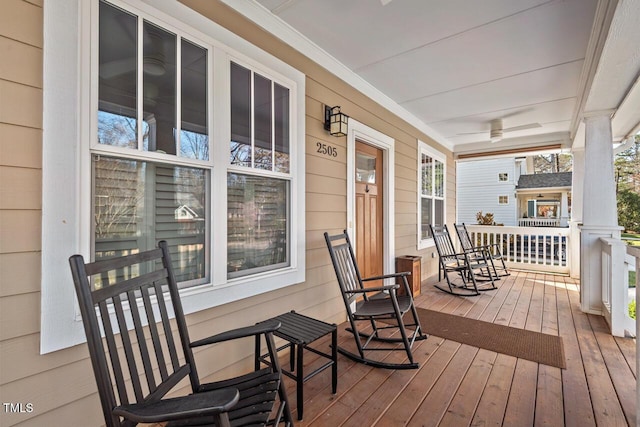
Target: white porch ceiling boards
455, 65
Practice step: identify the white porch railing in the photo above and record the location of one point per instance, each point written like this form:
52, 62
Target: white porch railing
529, 248
539, 222
617, 259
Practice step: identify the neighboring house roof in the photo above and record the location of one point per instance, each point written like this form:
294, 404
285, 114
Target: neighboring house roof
185, 212
544, 180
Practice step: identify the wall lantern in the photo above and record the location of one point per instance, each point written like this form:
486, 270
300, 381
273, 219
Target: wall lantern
334, 121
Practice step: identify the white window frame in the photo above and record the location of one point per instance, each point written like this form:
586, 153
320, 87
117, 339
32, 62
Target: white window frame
69, 123
423, 148
506, 174
503, 203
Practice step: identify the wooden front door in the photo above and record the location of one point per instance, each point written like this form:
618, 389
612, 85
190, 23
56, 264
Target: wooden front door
369, 203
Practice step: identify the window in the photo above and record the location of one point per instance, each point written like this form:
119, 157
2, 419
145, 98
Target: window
543, 208
431, 192
257, 203
503, 200
168, 134
503, 177
138, 201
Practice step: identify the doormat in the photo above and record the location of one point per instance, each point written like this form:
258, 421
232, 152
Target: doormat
535, 346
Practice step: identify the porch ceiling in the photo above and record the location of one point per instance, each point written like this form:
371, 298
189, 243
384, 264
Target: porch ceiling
452, 67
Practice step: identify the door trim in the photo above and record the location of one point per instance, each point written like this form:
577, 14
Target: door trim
361, 132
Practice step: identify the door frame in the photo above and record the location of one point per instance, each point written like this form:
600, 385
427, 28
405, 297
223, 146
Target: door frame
368, 135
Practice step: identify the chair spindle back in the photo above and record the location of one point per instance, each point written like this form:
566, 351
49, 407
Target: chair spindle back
444, 244
345, 265
124, 297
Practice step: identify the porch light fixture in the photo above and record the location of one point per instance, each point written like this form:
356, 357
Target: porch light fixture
334, 121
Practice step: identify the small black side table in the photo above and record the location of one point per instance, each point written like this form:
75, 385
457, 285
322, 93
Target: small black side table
299, 331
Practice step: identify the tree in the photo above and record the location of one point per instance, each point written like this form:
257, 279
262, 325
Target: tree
627, 168
552, 163
627, 176
629, 210
486, 219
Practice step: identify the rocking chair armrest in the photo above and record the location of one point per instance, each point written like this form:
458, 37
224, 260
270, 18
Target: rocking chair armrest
486, 247
179, 408
375, 289
388, 276
461, 254
249, 331
476, 251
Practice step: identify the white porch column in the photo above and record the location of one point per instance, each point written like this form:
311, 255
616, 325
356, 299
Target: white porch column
599, 215
564, 209
577, 190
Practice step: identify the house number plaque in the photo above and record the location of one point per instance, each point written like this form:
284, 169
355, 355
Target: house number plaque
326, 149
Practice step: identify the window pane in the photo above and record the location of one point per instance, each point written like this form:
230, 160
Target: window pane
257, 227
117, 77
439, 213
240, 115
262, 122
138, 203
426, 209
159, 89
547, 209
365, 168
427, 175
281, 113
194, 139
439, 179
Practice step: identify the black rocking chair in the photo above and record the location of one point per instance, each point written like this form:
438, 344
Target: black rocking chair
385, 306
139, 292
472, 267
491, 251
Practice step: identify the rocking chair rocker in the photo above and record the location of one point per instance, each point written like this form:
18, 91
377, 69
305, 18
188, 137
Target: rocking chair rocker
129, 291
465, 264
385, 305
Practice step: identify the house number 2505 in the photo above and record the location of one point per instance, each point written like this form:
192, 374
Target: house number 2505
326, 149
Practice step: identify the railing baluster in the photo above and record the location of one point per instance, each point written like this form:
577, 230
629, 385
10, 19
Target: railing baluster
539, 248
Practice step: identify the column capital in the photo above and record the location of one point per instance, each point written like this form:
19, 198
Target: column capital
575, 149
598, 113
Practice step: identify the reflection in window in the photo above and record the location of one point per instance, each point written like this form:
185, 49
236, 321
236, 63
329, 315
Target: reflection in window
438, 179
159, 87
194, 139
257, 226
259, 121
194, 145
120, 87
281, 115
365, 168
138, 203
432, 179
240, 115
117, 83
427, 175
262, 122
426, 217
116, 129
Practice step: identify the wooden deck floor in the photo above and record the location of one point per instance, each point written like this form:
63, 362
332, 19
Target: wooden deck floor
459, 385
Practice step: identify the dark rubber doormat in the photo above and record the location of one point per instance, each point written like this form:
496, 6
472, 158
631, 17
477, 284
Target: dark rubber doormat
529, 345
